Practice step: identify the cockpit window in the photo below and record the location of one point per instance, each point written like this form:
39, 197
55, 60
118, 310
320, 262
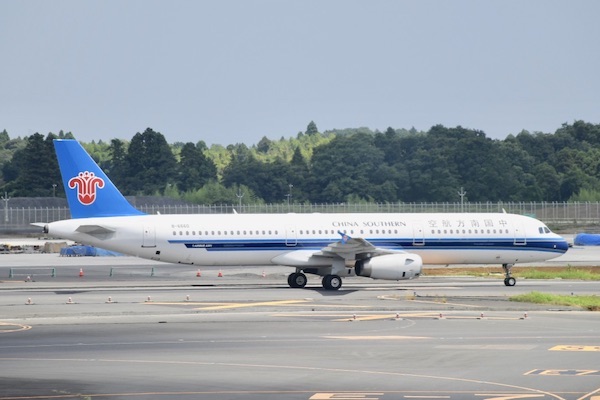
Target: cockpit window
544, 229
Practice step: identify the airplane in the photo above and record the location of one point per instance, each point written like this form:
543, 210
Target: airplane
333, 246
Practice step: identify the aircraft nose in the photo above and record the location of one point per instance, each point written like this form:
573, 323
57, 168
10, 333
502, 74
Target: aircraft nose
562, 245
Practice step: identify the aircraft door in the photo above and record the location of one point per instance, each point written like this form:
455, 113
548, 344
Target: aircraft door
149, 236
418, 234
520, 236
291, 238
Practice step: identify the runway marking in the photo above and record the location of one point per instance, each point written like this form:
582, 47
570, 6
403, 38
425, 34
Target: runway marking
345, 396
224, 306
392, 337
517, 347
446, 303
367, 317
257, 304
439, 301
575, 348
216, 305
564, 372
510, 396
15, 327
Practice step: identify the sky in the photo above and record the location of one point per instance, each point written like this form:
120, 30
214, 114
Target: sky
234, 71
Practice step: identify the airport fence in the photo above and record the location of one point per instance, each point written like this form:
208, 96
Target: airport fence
577, 214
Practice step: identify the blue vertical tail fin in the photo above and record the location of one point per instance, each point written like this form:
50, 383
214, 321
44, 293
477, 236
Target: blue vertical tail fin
89, 191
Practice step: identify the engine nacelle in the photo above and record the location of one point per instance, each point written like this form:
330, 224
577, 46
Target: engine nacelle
392, 267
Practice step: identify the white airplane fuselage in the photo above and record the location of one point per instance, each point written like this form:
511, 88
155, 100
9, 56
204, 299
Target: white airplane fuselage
290, 239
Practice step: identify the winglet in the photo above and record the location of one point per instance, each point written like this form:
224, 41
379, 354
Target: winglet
344, 236
89, 191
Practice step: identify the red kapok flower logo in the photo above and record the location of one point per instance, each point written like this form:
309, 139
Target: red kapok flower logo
86, 184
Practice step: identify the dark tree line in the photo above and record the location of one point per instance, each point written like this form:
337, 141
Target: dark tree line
337, 166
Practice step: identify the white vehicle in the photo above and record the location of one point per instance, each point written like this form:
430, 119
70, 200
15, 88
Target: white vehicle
334, 246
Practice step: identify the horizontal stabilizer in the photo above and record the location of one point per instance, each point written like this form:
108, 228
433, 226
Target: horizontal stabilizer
98, 231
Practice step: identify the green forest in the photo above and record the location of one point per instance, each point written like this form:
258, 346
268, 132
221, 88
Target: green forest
351, 165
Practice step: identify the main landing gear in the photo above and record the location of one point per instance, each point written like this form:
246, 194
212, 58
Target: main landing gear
299, 280
332, 282
508, 279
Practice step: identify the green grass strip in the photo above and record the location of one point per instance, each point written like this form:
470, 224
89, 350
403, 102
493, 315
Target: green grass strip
569, 273
591, 303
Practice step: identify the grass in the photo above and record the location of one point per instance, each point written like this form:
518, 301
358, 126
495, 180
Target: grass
591, 303
566, 273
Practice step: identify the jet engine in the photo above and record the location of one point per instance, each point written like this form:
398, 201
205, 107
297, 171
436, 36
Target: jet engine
392, 267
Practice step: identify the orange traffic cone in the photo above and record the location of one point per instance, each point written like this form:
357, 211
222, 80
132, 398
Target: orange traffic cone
198, 274
80, 272
220, 274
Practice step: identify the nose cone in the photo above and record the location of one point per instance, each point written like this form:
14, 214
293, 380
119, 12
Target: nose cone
561, 245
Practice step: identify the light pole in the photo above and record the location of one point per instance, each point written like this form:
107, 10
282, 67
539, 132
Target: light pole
54, 190
239, 195
289, 196
6, 199
462, 195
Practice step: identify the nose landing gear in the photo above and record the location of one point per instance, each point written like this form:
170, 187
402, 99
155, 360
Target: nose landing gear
508, 279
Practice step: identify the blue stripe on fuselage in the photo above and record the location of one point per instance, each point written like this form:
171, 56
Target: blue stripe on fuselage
553, 246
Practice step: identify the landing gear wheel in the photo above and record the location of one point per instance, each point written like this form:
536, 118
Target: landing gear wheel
332, 282
508, 279
297, 280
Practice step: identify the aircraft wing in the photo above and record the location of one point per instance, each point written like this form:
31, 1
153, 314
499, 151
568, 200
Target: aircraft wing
347, 249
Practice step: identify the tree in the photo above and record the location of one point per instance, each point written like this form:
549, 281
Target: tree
264, 145
34, 168
311, 129
4, 138
298, 176
150, 162
194, 169
345, 166
118, 169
